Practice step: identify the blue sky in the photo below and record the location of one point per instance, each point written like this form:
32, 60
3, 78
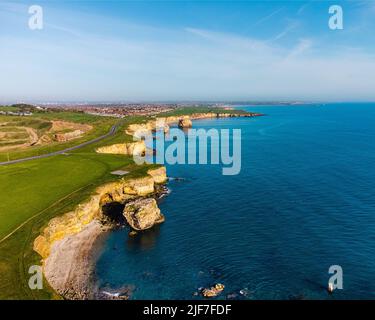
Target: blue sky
178, 50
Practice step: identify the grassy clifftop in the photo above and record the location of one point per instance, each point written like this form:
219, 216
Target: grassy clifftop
200, 109
31, 193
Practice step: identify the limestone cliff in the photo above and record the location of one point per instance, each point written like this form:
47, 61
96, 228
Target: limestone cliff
163, 123
140, 129
140, 187
137, 148
159, 174
74, 222
185, 123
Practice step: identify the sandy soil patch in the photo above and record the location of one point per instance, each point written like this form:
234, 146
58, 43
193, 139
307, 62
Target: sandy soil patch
58, 126
33, 136
65, 131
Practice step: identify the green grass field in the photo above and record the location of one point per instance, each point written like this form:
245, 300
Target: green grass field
9, 109
198, 109
33, 192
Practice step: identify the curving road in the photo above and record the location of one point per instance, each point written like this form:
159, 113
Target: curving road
111, 132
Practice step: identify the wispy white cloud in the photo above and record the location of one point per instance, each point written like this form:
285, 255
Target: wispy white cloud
303, 7
291, 25
145, 62
268, 17
302, 46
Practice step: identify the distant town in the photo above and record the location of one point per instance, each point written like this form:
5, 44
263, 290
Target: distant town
118, 110
121, 110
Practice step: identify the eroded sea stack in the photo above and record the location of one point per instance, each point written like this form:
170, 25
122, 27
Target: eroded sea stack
142, 214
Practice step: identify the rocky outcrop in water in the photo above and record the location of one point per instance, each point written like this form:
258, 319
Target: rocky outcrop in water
142, 214
185, 123
137, 148
213, 291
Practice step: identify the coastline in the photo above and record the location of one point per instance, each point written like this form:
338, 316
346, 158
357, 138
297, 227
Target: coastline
69, 260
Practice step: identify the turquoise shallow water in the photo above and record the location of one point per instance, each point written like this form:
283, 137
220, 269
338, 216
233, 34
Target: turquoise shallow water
303, 201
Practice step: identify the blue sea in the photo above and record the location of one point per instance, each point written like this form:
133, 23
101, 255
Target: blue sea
304, 200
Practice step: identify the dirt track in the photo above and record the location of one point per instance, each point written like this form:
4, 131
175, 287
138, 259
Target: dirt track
32, 135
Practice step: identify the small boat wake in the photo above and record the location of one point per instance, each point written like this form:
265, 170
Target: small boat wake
122, 293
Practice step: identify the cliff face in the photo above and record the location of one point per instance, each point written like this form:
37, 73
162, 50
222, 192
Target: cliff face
140, 187
185, 123
182, 121
161, 123
75, 221
159, 174
141, 128
137, 148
